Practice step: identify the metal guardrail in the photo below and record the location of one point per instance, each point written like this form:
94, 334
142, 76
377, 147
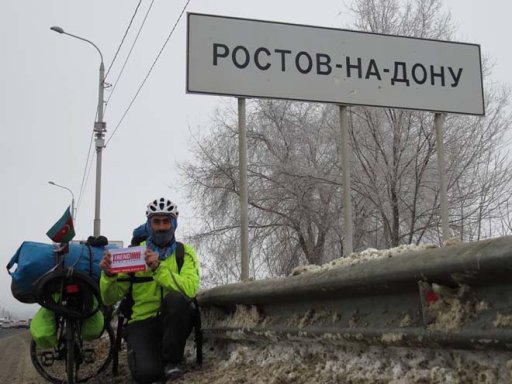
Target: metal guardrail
455, 297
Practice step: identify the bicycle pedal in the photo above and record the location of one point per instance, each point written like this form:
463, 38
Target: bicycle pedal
47, 359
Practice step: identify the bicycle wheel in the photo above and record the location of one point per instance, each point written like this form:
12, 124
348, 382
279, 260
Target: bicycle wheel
95, 355
91, 357
46, 363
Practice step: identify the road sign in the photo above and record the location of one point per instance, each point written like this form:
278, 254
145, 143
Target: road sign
255, 58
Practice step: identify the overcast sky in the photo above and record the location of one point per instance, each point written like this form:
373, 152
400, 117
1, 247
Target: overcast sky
49, 93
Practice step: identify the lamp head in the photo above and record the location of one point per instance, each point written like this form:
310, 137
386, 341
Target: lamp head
57, 29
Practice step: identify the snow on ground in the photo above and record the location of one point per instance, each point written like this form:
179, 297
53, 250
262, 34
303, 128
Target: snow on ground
314, 363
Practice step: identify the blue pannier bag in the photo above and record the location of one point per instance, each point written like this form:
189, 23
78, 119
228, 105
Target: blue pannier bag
33, 260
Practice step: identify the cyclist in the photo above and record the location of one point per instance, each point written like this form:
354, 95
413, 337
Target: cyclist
162, 313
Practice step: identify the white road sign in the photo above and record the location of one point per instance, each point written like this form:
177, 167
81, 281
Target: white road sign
254, 58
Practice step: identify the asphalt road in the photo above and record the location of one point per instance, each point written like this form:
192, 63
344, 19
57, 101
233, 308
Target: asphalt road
11, 332
15, 364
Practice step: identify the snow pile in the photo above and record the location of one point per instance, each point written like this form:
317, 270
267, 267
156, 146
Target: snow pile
361, 257
451, 308
503, 321
314, 363
244, 316
312, 316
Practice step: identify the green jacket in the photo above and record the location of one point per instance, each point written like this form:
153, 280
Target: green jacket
147, 295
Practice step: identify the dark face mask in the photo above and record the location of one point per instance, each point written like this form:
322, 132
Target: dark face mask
163, 238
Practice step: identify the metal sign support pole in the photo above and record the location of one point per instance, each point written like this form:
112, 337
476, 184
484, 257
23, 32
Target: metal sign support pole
439, 123
344, 158
244, 205
99, 130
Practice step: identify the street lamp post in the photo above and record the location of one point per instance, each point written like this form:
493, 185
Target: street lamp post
99, 130
73, 211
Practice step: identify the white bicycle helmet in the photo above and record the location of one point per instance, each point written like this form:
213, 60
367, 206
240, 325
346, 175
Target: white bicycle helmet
162, 206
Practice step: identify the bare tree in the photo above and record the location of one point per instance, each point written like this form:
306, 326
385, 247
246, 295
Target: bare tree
294, 204
6, 313
415, 18
396, 149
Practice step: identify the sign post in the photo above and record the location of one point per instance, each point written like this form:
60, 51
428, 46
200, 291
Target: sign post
344, 158
244, 208
439, 125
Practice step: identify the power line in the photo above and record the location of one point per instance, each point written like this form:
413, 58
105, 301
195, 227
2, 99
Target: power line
84, 179
127, 57
88, 166
122, 40
149, 73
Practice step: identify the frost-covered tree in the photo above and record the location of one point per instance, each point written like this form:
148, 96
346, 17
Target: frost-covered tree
294, 204
396, 153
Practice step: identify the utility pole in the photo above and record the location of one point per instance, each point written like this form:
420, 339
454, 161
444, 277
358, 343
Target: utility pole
99, 131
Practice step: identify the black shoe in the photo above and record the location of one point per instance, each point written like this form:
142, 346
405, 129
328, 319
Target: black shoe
172, 372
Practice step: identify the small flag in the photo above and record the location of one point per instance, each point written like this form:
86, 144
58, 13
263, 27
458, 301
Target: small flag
63, 230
